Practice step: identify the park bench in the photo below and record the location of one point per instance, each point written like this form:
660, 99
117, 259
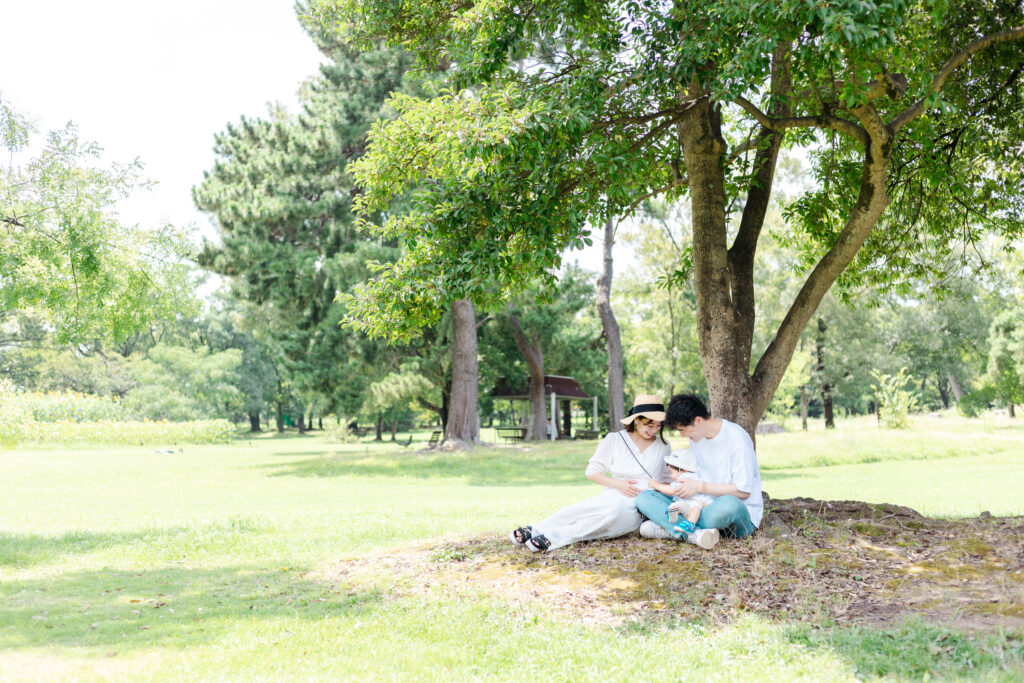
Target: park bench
511, 434
588, 433
435, 436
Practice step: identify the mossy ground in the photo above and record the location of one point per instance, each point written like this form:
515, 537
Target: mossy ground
816, 561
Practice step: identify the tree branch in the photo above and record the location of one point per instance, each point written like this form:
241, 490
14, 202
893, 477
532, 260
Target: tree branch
570, 184
913, 111
671, 111
741, 149
870, 205
678, 181
427, 404
821, 121
744, 247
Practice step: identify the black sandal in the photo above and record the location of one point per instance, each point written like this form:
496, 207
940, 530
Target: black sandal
521, 535
538, 543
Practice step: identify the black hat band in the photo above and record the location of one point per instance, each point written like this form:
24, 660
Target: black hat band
647, 408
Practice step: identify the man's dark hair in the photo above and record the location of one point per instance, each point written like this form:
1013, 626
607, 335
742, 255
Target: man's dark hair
683, 409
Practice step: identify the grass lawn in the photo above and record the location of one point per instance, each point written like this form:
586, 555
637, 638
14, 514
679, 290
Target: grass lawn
222, 562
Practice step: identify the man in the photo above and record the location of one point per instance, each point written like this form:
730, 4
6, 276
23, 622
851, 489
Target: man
726, 469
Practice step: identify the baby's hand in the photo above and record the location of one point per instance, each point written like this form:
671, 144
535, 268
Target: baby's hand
653, 483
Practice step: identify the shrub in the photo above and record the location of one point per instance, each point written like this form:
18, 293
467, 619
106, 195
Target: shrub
72, 406
895, 402
977, 401
73, 418
14, 423
140, 432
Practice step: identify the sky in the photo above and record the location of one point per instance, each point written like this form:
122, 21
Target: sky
157, 81
153, 80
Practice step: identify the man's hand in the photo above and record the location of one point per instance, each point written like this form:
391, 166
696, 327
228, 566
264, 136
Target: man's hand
689, 488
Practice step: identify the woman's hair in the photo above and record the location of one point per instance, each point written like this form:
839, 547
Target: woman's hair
631, 427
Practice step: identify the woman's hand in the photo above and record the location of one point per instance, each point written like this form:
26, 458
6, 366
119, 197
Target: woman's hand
626, 488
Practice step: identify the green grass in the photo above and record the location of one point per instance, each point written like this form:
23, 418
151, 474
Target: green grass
217, 563
945, 466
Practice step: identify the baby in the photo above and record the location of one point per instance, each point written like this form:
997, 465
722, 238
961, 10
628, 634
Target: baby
682, 464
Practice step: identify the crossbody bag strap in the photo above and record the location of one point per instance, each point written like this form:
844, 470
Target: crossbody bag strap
629, 447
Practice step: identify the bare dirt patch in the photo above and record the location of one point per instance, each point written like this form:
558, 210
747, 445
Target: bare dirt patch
812, 560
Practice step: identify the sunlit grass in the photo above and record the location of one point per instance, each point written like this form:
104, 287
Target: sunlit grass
210, 563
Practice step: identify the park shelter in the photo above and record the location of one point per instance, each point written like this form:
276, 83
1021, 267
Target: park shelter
559, 392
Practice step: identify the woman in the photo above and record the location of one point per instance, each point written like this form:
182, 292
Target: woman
623, 463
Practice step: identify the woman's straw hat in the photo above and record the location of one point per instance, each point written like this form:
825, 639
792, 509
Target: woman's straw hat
649, 406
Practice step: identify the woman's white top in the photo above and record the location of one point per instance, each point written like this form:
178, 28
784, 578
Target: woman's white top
618, 457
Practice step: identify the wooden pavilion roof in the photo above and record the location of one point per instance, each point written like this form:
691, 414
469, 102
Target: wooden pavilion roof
560, 386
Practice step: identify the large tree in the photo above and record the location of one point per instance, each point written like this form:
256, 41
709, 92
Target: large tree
281, 196
578, 110
463, 416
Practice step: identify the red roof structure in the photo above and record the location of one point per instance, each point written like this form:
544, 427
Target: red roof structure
560, 386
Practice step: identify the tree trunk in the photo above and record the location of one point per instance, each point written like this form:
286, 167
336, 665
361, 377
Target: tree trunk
725, 368
394, 429
566, 431
723, 275
254, 422
463, 415
537, 427
616, 410
826, 388
446, 402
301, 422
955, 386
379, 427
280, 415
1010, 410
803, 407
943, 388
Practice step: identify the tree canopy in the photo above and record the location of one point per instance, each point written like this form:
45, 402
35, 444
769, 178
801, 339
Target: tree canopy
558, 115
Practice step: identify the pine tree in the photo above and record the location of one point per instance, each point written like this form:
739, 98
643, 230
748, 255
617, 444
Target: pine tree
280, 196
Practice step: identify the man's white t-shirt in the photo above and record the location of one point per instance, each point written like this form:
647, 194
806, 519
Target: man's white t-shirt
729, 458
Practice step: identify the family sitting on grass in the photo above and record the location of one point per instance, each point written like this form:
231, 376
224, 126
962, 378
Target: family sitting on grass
695, 495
